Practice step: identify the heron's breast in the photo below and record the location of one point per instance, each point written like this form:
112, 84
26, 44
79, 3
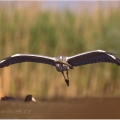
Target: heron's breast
62, 67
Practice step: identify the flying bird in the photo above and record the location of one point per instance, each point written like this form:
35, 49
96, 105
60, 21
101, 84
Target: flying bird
63, 63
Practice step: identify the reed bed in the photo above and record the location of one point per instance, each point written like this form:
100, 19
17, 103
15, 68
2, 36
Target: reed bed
49, 32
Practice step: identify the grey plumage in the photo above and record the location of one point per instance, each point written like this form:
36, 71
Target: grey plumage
63, 63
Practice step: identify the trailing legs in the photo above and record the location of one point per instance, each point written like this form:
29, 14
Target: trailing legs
66, 80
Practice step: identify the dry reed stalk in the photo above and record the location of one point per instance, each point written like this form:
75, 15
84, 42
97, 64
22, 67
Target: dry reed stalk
1, 91
6, 80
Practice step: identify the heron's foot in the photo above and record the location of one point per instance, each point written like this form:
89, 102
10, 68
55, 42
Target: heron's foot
67, 81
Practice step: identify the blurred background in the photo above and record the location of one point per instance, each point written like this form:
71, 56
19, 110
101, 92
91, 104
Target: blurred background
59, 28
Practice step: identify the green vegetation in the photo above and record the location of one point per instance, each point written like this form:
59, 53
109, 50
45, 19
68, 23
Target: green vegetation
54, 33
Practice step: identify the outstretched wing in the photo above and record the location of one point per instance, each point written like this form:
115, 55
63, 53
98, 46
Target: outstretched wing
18, 58
92, 57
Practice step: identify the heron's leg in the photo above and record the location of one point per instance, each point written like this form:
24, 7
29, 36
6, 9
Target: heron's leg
67, 77
63, 75
67, 81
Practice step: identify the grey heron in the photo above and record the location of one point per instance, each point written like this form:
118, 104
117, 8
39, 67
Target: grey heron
63, 63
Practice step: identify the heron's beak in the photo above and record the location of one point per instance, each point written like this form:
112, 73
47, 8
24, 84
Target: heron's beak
64, 62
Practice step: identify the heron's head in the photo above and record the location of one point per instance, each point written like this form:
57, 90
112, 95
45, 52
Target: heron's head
63, 60
59, 59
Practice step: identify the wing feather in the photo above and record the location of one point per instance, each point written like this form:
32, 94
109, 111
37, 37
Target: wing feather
18, 58
92, 57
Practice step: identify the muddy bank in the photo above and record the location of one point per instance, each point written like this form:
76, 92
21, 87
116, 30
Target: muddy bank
78, 108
